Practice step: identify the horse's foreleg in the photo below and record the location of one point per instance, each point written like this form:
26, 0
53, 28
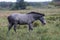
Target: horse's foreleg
30, 27
15, 27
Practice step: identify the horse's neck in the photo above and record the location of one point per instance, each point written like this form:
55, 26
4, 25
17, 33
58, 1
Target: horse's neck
34, 16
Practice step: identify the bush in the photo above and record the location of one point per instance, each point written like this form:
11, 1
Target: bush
35, 24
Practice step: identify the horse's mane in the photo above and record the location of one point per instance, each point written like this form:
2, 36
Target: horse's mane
36, 13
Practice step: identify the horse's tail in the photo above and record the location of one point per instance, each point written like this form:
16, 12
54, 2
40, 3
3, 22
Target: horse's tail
9, 19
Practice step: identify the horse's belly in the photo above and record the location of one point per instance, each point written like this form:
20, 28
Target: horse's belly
22, 22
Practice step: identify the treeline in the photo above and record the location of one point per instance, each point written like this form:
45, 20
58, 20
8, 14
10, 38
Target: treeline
38, 4
11, 5
6, 5
55, 2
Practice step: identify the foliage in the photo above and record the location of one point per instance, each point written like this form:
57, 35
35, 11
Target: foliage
51, 31
20, 5
56, 2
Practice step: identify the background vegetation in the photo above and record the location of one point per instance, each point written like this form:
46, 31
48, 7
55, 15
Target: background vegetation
51, 31
21, 4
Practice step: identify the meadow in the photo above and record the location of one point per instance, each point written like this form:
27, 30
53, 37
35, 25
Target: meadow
51, 31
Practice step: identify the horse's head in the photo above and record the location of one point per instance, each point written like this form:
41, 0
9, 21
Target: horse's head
42, 19
39, 16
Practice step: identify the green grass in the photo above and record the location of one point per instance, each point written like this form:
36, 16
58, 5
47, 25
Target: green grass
51, 31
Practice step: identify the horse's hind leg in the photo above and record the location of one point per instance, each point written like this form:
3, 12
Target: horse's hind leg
30, 27
15, 25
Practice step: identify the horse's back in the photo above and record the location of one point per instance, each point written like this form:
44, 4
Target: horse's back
17, 16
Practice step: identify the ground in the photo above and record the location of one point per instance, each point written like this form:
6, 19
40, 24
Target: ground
51, 31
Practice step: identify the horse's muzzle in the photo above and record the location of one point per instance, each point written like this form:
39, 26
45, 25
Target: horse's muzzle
44, 23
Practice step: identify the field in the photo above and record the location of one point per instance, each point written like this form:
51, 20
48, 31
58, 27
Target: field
51, 31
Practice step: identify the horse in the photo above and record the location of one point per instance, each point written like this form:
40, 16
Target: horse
23, 19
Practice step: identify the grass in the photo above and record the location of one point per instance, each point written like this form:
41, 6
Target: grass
51, 31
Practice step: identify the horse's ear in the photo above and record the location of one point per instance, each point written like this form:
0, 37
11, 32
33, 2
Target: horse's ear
43, 14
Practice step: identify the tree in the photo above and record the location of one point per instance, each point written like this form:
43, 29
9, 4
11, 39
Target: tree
56, 2
20, 4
